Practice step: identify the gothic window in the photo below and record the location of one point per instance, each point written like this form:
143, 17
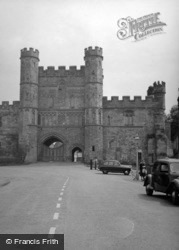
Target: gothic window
128, 117
111, 144
39, 120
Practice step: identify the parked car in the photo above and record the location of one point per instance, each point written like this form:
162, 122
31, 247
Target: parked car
114, 166
164, 178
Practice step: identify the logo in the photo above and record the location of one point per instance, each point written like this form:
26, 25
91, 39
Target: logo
140, 28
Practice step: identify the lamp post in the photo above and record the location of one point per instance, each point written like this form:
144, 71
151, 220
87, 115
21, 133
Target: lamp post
137, 162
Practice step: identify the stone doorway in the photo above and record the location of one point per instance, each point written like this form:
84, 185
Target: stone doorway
77, 154
52, 149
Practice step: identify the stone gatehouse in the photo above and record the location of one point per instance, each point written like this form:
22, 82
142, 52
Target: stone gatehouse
62, 114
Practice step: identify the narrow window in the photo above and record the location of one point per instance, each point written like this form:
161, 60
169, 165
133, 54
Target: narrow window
93, 148
109, 120
39, 119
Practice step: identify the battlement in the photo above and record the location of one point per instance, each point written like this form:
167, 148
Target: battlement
157, 88
126, 102
61, 71
97, 51
7, 106
29, 53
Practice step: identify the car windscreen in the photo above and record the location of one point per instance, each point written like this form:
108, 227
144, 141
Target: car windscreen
175, 167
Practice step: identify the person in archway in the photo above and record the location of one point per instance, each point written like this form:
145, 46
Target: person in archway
95, 162
75, 156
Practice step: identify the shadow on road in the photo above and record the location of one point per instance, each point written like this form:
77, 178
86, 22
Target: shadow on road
121, 174
162, 198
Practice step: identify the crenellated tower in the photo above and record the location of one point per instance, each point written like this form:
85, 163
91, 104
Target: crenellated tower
93, 103
158, 92
28, 104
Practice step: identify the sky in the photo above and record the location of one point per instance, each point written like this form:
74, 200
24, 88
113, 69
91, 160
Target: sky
61, 30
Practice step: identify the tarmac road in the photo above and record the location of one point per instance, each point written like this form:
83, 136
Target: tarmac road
92, 210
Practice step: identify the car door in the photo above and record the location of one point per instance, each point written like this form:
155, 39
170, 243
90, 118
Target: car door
163, 177
156, 177
116, 167
105, 165
111, 166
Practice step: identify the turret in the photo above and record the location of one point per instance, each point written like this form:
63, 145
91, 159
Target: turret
93, 103
158, 92
29, 103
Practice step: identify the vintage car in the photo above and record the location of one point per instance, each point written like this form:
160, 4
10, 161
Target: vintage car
114, 166
164, 178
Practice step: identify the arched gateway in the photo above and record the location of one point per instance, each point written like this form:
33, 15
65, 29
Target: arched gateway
51, 148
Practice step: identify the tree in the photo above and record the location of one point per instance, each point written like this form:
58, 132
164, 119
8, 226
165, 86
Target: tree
173, 117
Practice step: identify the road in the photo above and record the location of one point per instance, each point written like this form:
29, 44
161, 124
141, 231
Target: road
92, 210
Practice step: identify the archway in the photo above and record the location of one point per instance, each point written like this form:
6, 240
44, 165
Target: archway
52, 149
77, 154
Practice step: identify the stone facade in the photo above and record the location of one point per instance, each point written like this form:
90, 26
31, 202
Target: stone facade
67, 106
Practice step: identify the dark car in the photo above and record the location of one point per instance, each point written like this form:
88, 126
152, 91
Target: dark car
114, 166
164, 178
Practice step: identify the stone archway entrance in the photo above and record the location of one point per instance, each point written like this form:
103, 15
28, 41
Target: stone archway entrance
77, 154
52, 149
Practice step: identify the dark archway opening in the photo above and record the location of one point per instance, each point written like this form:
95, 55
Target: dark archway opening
52, 149
53, 142
77, 155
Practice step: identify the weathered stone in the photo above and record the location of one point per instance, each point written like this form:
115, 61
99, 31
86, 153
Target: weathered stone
67, 105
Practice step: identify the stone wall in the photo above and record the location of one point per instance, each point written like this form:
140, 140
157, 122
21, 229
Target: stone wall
9, 119
125, 119
62, 88
68, 104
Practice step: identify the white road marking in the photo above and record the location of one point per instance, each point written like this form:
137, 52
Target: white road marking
58, 205
52, 230
66, 181
55, 216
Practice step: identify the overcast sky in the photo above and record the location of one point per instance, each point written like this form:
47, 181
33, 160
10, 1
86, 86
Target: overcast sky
60, 30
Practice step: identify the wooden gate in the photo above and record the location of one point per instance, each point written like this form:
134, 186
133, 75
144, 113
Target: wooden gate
52, 154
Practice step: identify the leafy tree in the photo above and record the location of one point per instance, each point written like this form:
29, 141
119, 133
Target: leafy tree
174, 117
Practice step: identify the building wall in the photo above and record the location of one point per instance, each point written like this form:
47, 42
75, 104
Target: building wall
9, 119
126, 119
61, 89
68, 104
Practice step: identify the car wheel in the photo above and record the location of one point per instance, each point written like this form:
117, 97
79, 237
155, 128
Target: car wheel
149, 191
126, 172
174, 196
105, 172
